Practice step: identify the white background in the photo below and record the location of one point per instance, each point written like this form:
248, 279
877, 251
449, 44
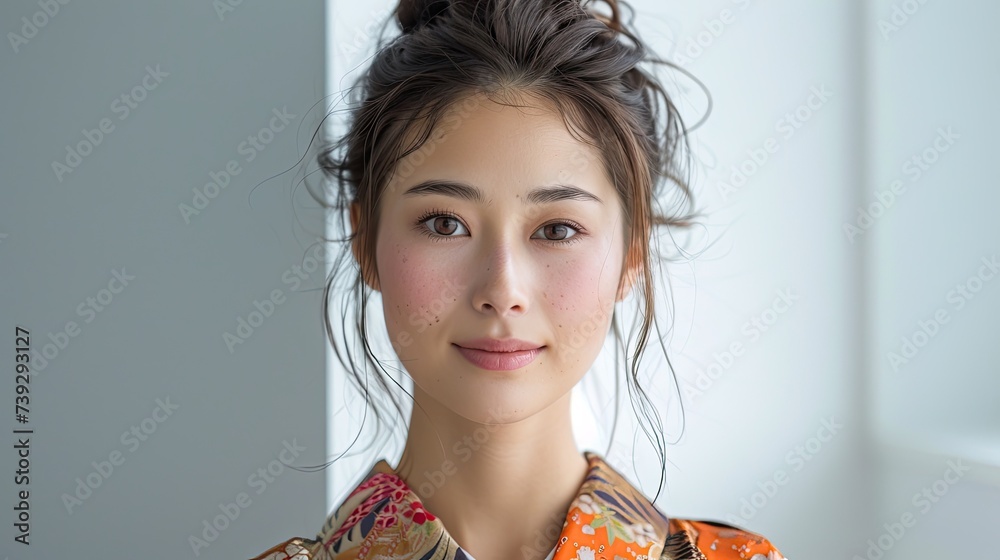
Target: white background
893, 83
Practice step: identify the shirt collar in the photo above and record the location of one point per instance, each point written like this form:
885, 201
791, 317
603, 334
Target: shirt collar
382, 517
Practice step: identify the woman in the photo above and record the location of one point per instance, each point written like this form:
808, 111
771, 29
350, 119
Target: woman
502, 173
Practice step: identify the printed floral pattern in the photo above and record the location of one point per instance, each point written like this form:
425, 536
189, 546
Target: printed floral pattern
608, 520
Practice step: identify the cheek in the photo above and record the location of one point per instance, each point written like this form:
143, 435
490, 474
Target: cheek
579, 296
417, 291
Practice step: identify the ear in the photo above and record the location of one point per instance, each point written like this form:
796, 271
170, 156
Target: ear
629, 278
357, 243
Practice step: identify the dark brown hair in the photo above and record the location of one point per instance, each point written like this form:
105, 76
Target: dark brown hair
585, 63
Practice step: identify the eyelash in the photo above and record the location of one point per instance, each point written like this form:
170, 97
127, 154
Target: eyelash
419, 225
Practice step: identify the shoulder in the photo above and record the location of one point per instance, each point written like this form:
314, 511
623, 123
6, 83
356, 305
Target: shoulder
721, 541
338, 531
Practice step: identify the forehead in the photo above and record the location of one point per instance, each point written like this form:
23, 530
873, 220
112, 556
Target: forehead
510, 148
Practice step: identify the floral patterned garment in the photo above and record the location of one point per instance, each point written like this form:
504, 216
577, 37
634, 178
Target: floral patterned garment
608, 520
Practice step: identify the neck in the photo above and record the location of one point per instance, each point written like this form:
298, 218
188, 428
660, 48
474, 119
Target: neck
499, 489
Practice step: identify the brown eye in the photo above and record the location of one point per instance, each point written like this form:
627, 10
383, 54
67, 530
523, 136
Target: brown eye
439, 225
450, 224
559, 230
563, 232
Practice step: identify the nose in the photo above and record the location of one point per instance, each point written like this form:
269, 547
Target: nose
503, 280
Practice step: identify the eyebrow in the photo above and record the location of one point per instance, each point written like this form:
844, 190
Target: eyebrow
538, 195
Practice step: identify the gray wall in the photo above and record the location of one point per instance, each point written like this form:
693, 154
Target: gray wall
64, 236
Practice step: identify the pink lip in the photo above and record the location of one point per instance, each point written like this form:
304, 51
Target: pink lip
499, 344
499, 361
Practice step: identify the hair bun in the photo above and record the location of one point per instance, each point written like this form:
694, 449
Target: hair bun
412, 14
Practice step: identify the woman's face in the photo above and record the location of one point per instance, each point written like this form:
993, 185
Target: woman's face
525, 242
